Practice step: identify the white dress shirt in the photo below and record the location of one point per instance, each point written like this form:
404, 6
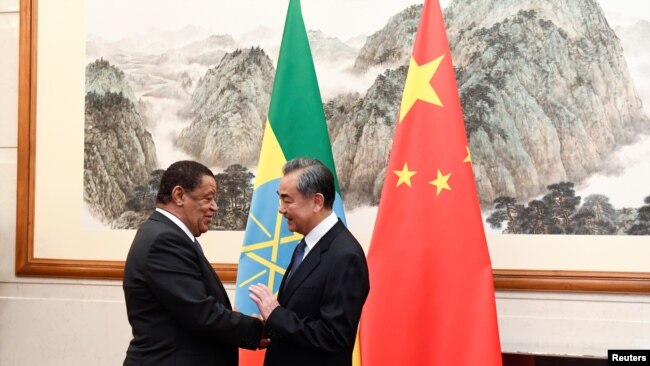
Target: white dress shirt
178, 222
319, 231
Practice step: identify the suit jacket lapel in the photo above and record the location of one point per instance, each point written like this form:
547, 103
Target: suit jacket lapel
311, 261
207, 264
308, 264
203, 261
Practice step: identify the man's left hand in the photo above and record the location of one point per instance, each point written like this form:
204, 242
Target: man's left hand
263, 297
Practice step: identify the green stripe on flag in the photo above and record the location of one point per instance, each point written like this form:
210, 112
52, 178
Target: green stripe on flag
296, 110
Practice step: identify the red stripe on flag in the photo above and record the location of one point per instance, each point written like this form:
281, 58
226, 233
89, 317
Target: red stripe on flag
251, 358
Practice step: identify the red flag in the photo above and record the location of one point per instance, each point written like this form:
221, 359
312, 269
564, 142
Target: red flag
431, 296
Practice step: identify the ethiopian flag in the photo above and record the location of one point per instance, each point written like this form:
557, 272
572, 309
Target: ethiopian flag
295, 128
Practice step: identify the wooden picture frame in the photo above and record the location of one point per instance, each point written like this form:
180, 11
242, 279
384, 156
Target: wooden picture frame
29, 264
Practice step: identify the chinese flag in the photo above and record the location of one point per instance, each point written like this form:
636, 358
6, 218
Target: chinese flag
431, 300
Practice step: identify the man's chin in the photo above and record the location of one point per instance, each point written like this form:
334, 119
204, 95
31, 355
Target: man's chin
203, 230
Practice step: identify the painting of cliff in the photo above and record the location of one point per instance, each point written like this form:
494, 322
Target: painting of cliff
555, 95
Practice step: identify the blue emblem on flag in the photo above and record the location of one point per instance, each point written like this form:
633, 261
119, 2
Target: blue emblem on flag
268, 245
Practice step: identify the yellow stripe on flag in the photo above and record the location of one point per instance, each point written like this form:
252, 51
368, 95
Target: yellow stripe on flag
271, 158
356, 353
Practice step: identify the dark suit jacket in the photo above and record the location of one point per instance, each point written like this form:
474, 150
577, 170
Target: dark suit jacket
320, 305
177, 306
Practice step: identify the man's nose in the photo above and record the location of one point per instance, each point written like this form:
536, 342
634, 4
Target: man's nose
213, 206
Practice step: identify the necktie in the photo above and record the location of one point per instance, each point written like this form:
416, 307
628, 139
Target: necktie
297, 256
198, 246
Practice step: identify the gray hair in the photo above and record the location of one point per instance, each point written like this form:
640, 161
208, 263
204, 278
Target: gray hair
314, 178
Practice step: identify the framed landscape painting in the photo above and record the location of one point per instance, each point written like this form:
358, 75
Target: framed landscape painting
555, 99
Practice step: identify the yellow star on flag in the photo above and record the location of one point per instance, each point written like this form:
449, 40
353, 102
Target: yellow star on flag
468, 158
418, 85
404, 175
441, 182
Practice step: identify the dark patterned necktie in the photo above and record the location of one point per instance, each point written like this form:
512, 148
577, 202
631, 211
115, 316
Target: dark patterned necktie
298, 254
198, 246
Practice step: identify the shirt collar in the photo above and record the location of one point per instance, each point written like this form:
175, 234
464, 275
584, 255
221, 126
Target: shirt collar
177, 221
319, 231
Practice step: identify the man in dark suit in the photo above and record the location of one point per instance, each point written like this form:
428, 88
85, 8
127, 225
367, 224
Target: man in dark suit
178, 308
315, 318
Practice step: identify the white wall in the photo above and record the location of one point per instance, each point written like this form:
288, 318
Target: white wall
78, 322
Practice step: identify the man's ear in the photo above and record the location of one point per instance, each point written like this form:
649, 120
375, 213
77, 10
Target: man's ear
319, 199
177, 196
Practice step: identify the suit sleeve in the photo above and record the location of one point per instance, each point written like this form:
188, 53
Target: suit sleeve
176, 280
343, 297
